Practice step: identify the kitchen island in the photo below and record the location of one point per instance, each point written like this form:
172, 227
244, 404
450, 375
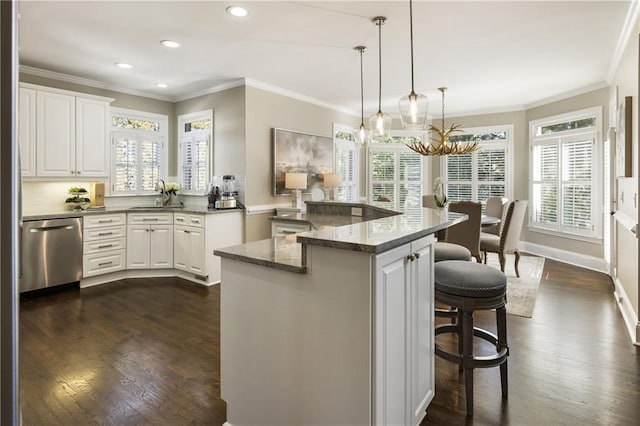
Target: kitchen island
334, 325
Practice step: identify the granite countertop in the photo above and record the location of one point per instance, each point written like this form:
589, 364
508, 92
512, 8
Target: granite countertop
62, 214
317, 221
372, 236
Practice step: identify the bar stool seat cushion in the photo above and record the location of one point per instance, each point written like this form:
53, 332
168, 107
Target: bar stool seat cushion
448, 251
469, 279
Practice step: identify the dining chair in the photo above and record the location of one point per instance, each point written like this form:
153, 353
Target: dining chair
495, 207
507, 241
467, 233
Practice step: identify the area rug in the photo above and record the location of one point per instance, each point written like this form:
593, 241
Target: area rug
521, 292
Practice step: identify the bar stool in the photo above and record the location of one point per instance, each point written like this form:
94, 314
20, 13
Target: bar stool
449, 251
467, 287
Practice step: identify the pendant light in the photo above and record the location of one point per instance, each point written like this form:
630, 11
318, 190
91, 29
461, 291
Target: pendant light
379, 123
362, 134
413, 107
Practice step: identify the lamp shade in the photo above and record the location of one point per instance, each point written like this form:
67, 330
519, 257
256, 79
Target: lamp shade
332, 180
295, 181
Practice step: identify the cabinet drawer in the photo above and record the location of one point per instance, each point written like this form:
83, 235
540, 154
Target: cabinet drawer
99, 221
103, 263
149, 218
101, 246
196, 220
283, 228
107, 233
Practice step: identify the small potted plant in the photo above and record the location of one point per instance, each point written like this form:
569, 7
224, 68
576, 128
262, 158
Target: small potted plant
78, 199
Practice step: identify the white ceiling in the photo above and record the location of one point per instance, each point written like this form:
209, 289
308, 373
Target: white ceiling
493, 56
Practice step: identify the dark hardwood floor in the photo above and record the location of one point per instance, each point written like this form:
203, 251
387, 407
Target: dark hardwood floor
148, 352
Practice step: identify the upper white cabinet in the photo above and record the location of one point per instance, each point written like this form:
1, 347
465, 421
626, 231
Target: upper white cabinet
62, 133
27, 131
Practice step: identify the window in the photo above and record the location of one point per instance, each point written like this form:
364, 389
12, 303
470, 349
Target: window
346, 162
138, 155
564, 166
483, 173
396, 173
194, 150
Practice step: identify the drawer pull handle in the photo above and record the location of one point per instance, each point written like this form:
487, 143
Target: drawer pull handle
105, 246
105, 221
187, 232
104, 264
102, 234
179, 219
287, 232
149, 219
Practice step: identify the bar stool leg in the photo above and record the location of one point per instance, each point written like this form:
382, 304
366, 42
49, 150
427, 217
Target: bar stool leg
467, 357
501, 319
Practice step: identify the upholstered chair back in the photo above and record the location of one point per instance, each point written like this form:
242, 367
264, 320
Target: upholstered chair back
466, 234
513, 221
496, 207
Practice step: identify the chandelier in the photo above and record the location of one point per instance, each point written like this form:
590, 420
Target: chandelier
441, 140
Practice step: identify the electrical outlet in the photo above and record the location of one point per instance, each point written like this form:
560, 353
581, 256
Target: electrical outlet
356, 211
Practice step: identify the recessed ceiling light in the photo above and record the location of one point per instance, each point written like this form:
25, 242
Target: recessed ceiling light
237, 11
123, 65
170, 43
162, 85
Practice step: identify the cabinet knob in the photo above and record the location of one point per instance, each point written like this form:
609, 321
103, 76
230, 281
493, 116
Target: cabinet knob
411, 258
417, 255
72, 172
77, 173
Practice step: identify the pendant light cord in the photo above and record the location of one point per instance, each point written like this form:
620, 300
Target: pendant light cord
411, 38
442, 89
379, 23
361, 90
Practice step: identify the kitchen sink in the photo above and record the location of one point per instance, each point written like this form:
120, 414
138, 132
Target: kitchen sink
157, 208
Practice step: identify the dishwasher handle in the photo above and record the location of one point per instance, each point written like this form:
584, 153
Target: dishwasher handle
51, 228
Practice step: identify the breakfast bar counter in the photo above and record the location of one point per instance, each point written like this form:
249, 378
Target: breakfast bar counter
334, 325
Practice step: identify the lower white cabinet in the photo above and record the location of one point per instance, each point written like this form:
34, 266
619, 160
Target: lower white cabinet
149, 240
280, 228
404, 335
196, 236
104, 244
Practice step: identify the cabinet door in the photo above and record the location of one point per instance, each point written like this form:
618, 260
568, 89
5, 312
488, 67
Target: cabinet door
138, 239
161, 248
27, 131
55, 134
197, 255
92, 147
392, 279
420, 306
181, 245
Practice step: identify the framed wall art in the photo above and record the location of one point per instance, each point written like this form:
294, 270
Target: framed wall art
296, 152
623, 138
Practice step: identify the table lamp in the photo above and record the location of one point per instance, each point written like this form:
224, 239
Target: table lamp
296, 181
332, 181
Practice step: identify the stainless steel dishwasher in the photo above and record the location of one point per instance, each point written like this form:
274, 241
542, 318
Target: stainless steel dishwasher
51, 253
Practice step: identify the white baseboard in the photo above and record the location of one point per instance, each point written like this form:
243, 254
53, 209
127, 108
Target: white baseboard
629, 316
141, 273
565, 256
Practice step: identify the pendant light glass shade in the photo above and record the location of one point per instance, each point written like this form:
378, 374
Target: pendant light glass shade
413, 107
362, 133
380, 123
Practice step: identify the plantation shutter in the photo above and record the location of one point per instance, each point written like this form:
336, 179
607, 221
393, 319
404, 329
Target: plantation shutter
410, 180
125, 164
150, 149
187, 159
460, 177
201, 164
545, 184
491, 173
383, 173
346, 165
577, 164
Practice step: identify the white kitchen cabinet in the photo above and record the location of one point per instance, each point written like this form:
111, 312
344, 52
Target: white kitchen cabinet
55, 134
71, 132
149, 240
27, 131
104, 244
281, 228
196, 236
404, 335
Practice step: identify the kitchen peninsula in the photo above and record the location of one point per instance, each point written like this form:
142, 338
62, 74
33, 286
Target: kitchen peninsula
333, 325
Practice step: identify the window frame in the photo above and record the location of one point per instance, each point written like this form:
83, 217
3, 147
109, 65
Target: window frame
508, 146
181, 121
162, 135
396, 148
556, 139
349, 146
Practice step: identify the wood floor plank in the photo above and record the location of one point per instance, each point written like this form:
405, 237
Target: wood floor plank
147, 352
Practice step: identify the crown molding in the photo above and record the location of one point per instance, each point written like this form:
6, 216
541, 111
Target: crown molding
625, 35
298, 96
87, 82
568, 95
214, 89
